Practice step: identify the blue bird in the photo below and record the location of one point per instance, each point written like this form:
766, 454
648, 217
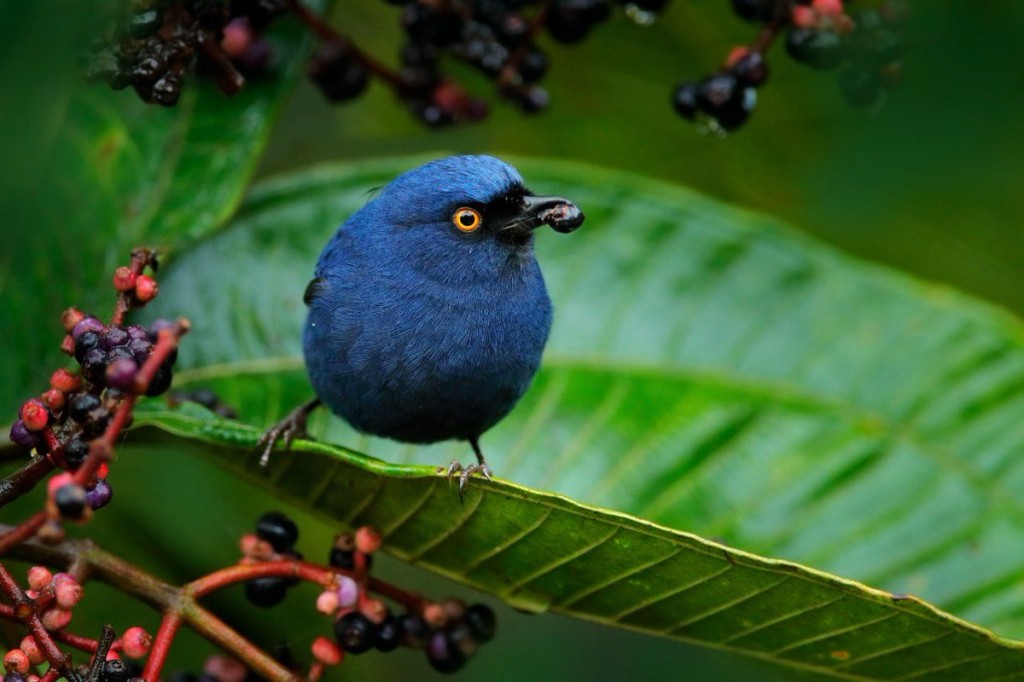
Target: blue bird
428, 312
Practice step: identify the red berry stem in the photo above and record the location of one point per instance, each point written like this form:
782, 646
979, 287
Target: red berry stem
169, 627
51, 675
24, 610
242, 572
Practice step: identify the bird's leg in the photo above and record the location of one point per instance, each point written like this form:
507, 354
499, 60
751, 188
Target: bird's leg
456, 468
291, 427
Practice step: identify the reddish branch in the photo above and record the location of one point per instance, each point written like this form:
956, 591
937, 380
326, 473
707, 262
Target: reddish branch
178, 604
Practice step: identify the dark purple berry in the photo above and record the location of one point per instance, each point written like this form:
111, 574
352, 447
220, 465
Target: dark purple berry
121, 373
354, 632
388, 635
75, 453
115, 670
266, 592
343, 558
167, 90
86, 324
161, 381
481, 622
158, 326
816, 48
96, 423
684, 99
722, 98
415, 631
460, 636
81, 404
425, 24
443, 655
85, 342
12, 676
277, 529
94, 365
20, 435
140, 348
100, 495
137, 332
533, 66
751, 70
337, 71
71, 501
113, 336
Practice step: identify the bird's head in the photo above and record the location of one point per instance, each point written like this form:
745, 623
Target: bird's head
470, 202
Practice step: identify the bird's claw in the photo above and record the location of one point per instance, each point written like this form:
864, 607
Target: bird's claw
287, 430
456, 470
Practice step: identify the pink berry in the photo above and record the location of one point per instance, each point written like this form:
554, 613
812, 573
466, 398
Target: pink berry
237, 37
124, 279
828, 7
804, 17
15, 661
368, 539
31, 649
328, 602
145, 288
35, 415
53, 399
68, 594
55, 618
135, 642
65, 381
39, 577
326, 651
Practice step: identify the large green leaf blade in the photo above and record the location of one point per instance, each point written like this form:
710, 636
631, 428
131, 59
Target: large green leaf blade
541, 551
708, 370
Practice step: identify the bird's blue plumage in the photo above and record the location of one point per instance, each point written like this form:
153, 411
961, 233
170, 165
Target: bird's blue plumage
419, 331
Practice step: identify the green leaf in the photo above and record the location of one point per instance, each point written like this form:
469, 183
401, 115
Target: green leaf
709, 370
109, 173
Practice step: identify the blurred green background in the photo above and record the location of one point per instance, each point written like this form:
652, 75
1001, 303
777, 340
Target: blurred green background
929, 185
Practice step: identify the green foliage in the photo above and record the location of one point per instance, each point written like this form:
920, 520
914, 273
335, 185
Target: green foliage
711, 375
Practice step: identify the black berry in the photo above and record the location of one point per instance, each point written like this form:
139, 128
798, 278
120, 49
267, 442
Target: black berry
266, 592
389, 634
75, 453
81, 405
277, 529
481, 622
71, 501
114, 670
354, 632
444, 656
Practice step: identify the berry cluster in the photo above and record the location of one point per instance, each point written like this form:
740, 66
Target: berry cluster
55, 595
821, 34
159, 41
275, 537
66, 421
449, 631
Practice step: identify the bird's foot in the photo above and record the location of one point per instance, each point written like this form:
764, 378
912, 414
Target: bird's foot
287, 430
456, 470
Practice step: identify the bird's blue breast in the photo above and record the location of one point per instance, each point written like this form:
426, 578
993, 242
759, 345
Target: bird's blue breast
418, 338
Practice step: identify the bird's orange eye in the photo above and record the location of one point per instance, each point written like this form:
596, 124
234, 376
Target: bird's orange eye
467, 219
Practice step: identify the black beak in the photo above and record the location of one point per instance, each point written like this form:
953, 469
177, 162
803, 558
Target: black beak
561, 214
